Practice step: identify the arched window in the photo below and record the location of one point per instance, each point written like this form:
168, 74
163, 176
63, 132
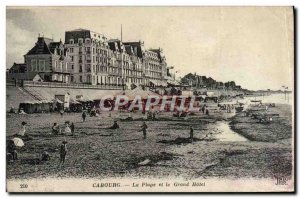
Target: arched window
60, 66
87, 41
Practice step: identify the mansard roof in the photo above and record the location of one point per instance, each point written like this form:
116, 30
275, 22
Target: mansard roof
77, 34
137, 48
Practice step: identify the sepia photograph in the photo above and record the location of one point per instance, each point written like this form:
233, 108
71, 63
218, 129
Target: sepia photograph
150, 99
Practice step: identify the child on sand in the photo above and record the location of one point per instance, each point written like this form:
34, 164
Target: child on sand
67, 129
55, 129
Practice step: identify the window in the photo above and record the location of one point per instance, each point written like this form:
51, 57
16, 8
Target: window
80, 78
72, 66
88, 41
72, 58
71, 41
33, 64
80, 68
72, 78
80, 41
55, 65
60, 66
41, 65
71, 50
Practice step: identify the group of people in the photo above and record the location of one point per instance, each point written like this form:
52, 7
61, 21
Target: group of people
227, 107
143, 128
11, 148
204, 110
68, 129
62, 153
151, 115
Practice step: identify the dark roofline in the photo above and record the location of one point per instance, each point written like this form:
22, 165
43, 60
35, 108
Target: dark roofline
78, 30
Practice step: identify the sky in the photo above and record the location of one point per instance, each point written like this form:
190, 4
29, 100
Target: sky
252, 46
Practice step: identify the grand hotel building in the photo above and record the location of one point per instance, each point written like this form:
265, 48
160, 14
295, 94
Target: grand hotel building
90, 58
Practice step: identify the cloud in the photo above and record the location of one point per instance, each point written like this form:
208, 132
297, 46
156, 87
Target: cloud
18, 42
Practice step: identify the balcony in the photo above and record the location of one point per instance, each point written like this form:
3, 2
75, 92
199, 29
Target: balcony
71, 85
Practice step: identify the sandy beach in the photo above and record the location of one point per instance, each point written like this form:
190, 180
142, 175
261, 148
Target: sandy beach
250, 149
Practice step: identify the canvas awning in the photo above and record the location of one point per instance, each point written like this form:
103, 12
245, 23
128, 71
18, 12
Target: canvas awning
154, 82
58, 100
138, 92
172, 82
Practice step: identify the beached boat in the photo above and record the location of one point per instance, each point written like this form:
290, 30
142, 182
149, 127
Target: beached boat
255, 100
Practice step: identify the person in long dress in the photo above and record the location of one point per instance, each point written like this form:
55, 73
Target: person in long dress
67, 129
63, 152
72, 128
23, 129
144, 129
83, 116
191, 133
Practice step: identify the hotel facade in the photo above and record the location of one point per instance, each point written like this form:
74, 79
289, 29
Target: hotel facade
87, 57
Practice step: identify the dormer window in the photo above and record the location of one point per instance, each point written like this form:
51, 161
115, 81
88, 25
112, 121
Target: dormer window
71, 41
80, 41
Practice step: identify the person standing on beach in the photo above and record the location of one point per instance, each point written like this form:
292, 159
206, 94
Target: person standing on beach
203, 109
72, 128
144, 129
207, 112
191, 133
63, 152
83, 116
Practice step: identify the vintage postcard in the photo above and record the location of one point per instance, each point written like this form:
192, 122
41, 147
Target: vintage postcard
150, 99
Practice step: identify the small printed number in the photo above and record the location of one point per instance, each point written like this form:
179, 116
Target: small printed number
23, 185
